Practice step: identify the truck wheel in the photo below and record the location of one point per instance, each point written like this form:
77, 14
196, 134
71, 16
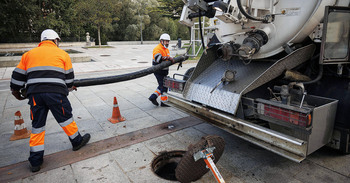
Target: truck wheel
188, 73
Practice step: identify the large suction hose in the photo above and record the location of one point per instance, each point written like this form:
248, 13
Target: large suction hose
128, 76
241, 9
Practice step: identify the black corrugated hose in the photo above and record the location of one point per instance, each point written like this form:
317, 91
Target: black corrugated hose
241, 9
128, 76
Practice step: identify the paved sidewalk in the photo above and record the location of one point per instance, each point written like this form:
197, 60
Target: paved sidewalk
241, 161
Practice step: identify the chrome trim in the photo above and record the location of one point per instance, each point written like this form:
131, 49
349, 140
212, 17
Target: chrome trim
284, 145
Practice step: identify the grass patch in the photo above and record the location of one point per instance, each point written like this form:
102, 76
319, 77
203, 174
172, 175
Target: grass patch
187, 45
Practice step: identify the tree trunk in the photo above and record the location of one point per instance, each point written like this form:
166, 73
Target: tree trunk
99, 35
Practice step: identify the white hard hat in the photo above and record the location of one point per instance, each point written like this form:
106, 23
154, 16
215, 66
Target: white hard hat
49, 34
165, 37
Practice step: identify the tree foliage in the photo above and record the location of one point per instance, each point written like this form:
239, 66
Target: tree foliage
170, 8
106, 20
98, 13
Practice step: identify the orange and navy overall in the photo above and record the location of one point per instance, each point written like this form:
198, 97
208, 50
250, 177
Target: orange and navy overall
158, 52
47, 73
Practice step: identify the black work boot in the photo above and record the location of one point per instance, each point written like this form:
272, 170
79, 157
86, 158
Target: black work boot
85, 140
154, 101
35, 168
163, 105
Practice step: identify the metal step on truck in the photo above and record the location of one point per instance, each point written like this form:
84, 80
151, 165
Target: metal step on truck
275, 73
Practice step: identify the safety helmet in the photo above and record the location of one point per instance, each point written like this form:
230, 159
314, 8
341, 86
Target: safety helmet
49, 34
165, 37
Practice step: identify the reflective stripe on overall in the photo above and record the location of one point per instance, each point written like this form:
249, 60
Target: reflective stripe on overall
58, 104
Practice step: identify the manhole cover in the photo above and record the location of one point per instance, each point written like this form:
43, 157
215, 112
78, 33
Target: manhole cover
142, 62
133, 59
105, 55
189, 170
180, 165
165, 163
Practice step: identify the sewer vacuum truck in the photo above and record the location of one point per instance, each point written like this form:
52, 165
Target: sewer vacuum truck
274, 72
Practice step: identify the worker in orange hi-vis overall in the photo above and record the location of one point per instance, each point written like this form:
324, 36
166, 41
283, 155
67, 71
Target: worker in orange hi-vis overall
47, 76
161, 53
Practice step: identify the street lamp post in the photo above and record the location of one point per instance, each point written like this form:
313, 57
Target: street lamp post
140, 26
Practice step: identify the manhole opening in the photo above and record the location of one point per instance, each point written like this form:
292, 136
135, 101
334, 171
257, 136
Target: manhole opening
164, 165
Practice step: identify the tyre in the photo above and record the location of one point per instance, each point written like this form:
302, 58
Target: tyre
188, 73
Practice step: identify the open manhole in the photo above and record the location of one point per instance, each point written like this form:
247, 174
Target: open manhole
164, 165
181, 166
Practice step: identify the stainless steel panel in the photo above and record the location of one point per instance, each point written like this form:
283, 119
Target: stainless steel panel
323, 118
286, 63
226, 97
284, 145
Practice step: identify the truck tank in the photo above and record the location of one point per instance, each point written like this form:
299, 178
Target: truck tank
275, 73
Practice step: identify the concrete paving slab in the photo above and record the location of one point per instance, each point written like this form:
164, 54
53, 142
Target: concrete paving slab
142, 102
145, 174
164, 143
147, 92
4, 86
107, 95
228, 176
188, 136
12, 102
2, 72
133, 157
94, 100
59, 175
100, 112
128, 125
123, 104
103, 168
310, 172
15, 153
134, 113
331, 159
8, 72
268, 174
127, 93
81, 113
163, 114
179, 112
56, 142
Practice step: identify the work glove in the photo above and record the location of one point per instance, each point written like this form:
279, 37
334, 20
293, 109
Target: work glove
171, 59
168, 58
72, 88
18, 95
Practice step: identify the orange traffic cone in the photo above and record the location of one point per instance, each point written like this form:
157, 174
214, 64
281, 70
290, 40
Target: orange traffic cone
116, 117
21, 131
